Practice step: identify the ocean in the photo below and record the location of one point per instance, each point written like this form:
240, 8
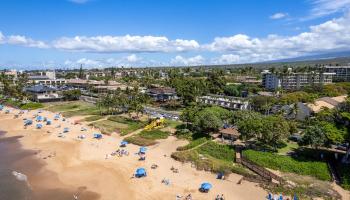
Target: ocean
24, 164
11, 156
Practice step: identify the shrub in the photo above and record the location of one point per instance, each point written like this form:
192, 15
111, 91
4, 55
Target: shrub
183, 134
289, 164
210, 163
218, 151
192, 144
344, 172
31, 106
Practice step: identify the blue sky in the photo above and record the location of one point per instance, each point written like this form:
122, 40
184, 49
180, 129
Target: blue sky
103, 33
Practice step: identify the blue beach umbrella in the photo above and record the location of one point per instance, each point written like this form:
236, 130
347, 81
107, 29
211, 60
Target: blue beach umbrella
140, 172
269, 196
1, 107
39, 126
66, 130
39, 118
143, 149
48, 122
28, 122
97, 136
123, 143
206, 186
57, 116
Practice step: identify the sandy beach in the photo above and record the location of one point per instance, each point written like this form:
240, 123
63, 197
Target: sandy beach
80, 166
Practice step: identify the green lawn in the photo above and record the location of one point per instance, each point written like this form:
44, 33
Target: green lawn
172, 123
93, 118
75, 108
108, 127
31, 106
24, 106
147, 138
282, 163
218, 151
290, 146
192, 144
132, 125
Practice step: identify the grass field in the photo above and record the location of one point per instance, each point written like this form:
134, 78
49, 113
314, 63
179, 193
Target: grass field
282, 163
132, 125
76, 108
192, 144
172, 123
147, 138
290, 146
93, 118
24, 106
108, 127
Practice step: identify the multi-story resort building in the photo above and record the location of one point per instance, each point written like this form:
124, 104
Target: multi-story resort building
48, 79
233, 103
341, 73
162, 93
43, 93
294, 81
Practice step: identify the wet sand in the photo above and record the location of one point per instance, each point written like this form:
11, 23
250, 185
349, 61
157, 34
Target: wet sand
14, 158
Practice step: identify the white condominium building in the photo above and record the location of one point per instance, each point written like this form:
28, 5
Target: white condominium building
342, 73
294, 81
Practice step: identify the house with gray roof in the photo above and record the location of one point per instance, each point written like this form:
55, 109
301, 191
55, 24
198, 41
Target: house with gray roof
43, 93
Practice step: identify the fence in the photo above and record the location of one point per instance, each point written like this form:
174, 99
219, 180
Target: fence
264, 173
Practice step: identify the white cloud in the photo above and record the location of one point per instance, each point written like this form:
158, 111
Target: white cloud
133, 58
128, 43
2, 37
24, 41
333, 35
278, 15
322, 8
130, 60
330, 36
179, 60
227, 59
88, 62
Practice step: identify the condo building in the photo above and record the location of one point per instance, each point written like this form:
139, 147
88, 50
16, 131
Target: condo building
341, 73
233, 103
294, 81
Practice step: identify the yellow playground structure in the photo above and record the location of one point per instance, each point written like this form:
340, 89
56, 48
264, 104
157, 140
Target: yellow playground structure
157, 123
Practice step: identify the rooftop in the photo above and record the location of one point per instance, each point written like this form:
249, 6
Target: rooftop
40, 88
229, 131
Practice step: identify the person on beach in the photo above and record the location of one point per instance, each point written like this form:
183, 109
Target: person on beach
189, 197
222, 197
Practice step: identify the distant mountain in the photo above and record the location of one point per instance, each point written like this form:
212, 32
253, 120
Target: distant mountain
332, 55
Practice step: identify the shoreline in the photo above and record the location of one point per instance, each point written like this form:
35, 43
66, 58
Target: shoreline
72, 164
17, 159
